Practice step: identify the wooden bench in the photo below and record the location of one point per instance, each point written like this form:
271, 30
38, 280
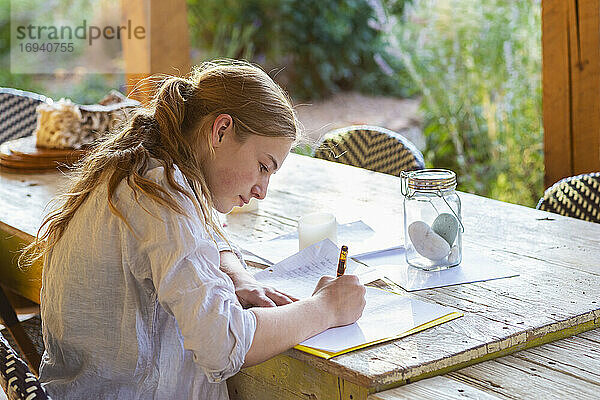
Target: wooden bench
567, 368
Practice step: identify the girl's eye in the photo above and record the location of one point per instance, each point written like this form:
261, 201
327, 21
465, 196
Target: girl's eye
263, 168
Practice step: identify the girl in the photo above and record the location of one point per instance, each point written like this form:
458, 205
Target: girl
142, 295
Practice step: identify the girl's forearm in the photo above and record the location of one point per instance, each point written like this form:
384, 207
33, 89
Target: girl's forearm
232, 266
280, 328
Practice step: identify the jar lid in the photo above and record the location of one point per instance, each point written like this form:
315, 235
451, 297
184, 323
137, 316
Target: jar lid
430, 179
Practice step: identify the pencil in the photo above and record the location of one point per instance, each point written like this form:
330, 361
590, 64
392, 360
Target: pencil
342, 262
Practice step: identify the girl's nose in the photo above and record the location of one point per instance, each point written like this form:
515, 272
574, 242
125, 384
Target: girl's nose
258, 192
260, 189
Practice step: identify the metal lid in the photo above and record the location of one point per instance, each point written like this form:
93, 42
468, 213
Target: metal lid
430, 179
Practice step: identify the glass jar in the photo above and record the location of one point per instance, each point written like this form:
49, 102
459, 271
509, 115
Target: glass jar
432, 219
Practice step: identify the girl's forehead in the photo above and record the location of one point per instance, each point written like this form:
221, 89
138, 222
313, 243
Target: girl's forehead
273, 145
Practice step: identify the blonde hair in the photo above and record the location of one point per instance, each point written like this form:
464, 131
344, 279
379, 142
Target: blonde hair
175, 130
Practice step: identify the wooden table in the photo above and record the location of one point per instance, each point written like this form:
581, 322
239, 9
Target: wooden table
555, 296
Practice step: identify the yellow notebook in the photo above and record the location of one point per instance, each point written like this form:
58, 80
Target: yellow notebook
327, 354
386, 315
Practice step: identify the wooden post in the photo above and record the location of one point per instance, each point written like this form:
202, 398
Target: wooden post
571, 87
166, 52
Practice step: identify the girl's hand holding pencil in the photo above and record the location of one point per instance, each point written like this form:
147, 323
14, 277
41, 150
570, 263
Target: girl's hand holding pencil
344, 297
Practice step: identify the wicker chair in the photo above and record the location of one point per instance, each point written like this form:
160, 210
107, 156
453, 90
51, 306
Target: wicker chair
370, 147
17, 109
15, 378
576, 196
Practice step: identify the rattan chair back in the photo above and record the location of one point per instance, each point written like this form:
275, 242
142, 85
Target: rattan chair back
370, 147
17, 113
576, 196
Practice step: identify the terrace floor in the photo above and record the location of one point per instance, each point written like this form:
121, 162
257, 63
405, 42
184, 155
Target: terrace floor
352, 108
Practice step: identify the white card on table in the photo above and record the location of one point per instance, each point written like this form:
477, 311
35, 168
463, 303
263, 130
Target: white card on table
476, 266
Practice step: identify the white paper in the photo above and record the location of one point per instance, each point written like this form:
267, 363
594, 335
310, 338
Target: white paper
476, 266
299, 274
358, 236
385, 315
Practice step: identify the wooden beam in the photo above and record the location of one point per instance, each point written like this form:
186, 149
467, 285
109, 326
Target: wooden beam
584, 41
571, 87
167, 48
556, 92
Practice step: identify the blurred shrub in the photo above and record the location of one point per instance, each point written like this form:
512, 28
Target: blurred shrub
85, 88
320, 46
478, 68
222, 29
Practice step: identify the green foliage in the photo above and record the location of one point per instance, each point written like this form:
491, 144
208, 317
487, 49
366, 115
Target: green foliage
85, 89
478, 68
320, 46
303, 149
221, 29
333, 47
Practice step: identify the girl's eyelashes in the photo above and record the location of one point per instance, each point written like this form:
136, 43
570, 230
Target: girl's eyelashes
263, 168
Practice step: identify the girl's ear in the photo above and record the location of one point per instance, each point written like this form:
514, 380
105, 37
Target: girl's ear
222, 129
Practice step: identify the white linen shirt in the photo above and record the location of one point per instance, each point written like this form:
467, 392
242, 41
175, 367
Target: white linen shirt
146, 317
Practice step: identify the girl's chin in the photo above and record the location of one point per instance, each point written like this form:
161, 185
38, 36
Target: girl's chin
223, 208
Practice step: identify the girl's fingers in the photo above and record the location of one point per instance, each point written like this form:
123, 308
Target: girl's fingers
279, 298
325, 279
289, 296
264, 301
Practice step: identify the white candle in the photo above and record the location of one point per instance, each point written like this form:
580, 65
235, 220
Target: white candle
313, 228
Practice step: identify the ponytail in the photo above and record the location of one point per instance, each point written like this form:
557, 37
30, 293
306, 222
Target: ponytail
169, 104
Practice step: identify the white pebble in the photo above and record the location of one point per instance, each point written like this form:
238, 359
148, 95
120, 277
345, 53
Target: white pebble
446, 226
426, 242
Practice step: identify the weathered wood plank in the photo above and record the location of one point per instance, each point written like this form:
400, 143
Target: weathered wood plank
508, 331
246, 387
438, 387
575, 356
571, 83
26, 283
507, 377
519, 378
554, 370
283, 371
593, 335
407, 359
24, 200
526, 232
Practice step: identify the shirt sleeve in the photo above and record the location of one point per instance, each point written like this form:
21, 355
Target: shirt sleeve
184, 268
213, 324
